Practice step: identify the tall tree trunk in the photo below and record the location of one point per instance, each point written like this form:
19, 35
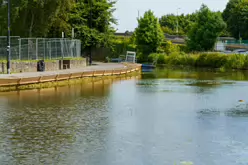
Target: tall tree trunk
31, 25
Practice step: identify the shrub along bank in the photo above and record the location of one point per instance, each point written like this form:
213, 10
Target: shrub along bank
210, 60
173, 54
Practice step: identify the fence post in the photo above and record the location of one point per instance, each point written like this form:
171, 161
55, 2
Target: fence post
28, 48
36, 48
49, 47
56, 48
20, 48
62, 47
44, 45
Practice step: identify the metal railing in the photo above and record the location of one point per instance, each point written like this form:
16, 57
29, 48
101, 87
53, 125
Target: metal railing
40, 48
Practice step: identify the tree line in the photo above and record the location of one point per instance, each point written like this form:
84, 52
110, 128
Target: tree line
202, 28
92, 22
202, 34
185, 22
91, 19
235, 15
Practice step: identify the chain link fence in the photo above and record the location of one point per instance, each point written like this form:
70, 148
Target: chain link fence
40, 48
14, 47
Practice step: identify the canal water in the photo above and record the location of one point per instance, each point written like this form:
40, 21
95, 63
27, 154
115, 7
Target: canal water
159, 118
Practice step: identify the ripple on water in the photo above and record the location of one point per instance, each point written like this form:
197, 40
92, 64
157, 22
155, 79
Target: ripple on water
208, 83
240, 110
210, 111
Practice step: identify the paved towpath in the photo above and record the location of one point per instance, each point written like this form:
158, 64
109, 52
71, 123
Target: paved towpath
97, 67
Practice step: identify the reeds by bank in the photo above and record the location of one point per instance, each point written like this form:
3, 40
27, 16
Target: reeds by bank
207, 60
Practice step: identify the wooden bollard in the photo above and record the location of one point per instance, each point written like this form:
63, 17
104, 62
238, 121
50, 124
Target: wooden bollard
19, 81
56, 78
39, 80
70, 76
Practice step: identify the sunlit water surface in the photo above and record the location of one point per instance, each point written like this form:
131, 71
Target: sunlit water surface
158, 118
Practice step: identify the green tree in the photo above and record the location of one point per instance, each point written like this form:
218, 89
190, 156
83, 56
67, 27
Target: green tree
229, 7
93, 22
149, 35
206, 30
49, 18
236, 17
60, 21
32, 18
169, 23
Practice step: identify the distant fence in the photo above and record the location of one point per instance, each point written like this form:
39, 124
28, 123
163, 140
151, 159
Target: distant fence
40, 48
224, 46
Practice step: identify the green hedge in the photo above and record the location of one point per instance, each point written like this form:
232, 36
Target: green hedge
211, 60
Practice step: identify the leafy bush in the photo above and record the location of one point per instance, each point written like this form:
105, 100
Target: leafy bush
180, 59
161, 59
236, 61
157, 58
168, 47
141, 58
152, 57
211, 60
183, 48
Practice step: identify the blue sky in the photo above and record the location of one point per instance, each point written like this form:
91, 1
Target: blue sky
127, 10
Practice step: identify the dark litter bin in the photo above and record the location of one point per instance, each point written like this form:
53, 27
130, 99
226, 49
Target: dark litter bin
41, 66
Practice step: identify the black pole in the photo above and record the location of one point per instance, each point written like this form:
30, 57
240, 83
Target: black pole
90, 56
8, 40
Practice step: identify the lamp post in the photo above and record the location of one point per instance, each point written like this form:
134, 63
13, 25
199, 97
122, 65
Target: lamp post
8, 40
8, 36
90, 55
177, 19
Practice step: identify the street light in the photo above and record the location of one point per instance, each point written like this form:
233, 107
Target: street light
8, 40
90, 56
177, 19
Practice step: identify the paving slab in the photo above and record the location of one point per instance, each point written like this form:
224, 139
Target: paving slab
95, 67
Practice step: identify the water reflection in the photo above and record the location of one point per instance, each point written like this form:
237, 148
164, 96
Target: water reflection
45, 126
162, 117
196, 74
203, 106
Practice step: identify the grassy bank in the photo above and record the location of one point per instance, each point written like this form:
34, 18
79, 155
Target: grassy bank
207, 60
